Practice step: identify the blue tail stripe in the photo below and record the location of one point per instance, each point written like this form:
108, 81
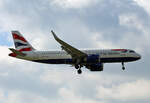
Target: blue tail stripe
17, 44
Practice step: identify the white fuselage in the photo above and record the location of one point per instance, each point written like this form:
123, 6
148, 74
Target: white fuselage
61, 57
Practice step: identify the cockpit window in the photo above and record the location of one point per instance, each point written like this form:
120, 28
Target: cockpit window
131, 51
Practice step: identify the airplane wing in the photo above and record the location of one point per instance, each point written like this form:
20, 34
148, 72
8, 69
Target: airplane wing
75, 53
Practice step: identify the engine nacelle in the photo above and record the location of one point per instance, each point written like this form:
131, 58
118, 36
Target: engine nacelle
95, 67
93, 58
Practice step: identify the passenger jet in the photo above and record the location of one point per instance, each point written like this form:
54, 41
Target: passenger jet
90, 59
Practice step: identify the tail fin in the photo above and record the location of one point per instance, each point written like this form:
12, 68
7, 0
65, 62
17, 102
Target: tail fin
21, 44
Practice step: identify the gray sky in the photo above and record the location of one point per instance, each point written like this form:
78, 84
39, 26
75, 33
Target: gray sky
83, 24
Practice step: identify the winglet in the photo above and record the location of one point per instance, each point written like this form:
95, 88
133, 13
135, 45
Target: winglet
56, 38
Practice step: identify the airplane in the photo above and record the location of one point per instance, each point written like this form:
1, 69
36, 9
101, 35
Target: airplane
91, 59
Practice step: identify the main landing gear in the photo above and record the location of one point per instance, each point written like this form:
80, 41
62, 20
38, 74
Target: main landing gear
78, 67
123, 67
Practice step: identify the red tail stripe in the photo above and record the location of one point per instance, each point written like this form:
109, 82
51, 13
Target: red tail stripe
15, 36
25, 49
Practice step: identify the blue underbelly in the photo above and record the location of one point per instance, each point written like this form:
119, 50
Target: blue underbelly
70, 61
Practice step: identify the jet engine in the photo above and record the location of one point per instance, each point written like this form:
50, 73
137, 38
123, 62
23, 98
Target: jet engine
93, 58
95, 67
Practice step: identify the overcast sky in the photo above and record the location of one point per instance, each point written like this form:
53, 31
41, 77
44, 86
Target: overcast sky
83, 24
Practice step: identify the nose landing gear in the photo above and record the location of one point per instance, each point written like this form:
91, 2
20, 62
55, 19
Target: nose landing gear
123, 67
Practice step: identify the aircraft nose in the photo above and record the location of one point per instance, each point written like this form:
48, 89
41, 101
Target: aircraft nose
138, 56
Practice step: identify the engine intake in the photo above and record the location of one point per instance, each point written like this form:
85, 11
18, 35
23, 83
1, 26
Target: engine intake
95, 67
94, 58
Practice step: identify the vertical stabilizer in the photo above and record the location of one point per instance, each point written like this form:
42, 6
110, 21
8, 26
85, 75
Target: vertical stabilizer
21, 44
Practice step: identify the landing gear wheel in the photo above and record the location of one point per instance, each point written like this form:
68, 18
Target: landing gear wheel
123, 68
79, 71
77, 66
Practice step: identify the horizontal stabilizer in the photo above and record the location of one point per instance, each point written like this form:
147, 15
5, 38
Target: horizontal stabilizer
17, 52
